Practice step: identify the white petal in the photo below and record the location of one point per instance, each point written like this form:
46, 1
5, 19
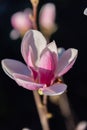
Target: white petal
52, 46
36, 40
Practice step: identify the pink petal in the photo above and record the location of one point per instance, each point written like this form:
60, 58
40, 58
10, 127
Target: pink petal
46, 76
54, 53
66, 61
55, 89
46, 67
31, 63
35, 73
26, 82
46, 60
20, 20
47, 15
13, 66
36, 40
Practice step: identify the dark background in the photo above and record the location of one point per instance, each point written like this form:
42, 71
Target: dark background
17, 107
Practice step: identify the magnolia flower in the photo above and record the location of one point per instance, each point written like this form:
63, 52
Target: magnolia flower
85, 12
21, 23
47, 18
43, 66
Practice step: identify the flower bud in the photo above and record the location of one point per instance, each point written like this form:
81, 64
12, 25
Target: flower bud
47, 19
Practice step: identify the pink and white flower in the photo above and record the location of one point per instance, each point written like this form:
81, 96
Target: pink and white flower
43, 65
47, 18
47, 15
21, 21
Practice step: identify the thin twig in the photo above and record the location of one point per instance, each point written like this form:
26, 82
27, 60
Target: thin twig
42, 111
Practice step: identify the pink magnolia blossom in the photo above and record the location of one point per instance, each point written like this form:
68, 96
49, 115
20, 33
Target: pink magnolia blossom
47, 18
43, 65
21, 21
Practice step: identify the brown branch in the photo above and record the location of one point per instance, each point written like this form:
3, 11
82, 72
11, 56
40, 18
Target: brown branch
42, 111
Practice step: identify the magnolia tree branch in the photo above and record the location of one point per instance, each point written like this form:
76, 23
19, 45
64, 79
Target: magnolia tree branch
42, 111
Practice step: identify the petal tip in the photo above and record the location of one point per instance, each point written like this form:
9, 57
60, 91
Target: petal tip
74, 53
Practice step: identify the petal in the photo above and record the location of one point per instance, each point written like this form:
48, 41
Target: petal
52, 47
31, 63
20, 20
46, 76
30, 58
13, 66
46, 61
54, 53
26, 82
55, 89
46, 67
66, 61
36, 40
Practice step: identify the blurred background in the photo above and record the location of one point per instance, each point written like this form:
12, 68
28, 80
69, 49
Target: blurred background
17, 106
